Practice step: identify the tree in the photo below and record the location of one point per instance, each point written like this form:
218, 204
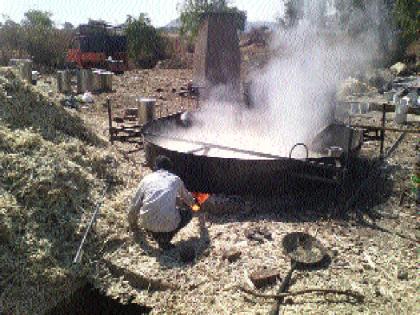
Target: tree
293, 12
36, 37
68, 26
407, 19
38, 18
45, 43
191, 12
145, 44
400, 15
12, 41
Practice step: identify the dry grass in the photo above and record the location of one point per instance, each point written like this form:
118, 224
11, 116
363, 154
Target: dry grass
52, 169
129, 267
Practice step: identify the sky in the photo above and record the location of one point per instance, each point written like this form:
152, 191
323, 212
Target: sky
161, 12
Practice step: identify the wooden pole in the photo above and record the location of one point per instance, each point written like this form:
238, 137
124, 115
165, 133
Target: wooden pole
383, 131
111, 129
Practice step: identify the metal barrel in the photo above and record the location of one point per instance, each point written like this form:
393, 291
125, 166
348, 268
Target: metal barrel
97, 81
25, 69
84, 80
401, 110
106, 81
63, 81
66, 77
146, 108
59, 78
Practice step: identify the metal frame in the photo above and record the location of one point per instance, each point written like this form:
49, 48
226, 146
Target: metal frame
122, 133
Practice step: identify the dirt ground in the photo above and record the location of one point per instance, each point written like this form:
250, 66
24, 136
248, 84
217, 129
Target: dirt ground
372, 245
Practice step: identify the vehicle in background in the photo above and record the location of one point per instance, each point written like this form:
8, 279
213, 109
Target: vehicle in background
98, 45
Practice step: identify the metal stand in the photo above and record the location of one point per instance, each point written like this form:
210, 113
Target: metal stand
125, 131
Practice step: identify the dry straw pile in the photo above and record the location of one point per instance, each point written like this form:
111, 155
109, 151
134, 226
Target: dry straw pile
52, 170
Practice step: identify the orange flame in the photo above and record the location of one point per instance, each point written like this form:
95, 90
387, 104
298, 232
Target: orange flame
195, 207
200, 198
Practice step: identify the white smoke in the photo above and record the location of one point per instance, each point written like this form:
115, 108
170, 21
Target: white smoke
294, 94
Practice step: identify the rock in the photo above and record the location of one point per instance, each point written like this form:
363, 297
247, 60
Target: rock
264, 277
402, 274
333, 252
255, 237
258, 234
187, 253
231, 255
399, 68
266, 233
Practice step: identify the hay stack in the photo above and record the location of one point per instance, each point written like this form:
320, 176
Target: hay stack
52, 169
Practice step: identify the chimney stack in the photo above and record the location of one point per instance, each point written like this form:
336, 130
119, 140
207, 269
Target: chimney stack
217, 58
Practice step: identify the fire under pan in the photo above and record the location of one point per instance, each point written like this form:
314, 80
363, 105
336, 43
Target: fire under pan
249, 172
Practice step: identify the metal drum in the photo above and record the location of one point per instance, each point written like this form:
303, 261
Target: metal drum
97, 81
106, 81
401, 110
64, 81
146, 108
253, 172
25, 69
84, 80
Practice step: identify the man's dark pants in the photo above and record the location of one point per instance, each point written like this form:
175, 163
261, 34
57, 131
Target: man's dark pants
164, 238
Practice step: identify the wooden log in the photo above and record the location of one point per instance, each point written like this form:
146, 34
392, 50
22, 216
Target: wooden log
356, 295
264, 277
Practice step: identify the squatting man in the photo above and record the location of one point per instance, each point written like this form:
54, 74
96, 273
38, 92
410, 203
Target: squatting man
161, 205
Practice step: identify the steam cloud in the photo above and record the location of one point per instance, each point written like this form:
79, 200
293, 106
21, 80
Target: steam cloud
294, 94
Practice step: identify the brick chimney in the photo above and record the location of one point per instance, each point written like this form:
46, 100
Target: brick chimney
217, 58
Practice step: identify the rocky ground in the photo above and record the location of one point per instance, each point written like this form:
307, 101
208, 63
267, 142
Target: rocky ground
372, 245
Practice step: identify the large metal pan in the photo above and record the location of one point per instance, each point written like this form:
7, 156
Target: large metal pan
305, 252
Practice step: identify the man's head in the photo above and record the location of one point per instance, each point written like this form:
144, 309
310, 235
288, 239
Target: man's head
162, 162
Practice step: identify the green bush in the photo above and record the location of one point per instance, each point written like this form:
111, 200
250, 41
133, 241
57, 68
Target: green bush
146, 46
192, 10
